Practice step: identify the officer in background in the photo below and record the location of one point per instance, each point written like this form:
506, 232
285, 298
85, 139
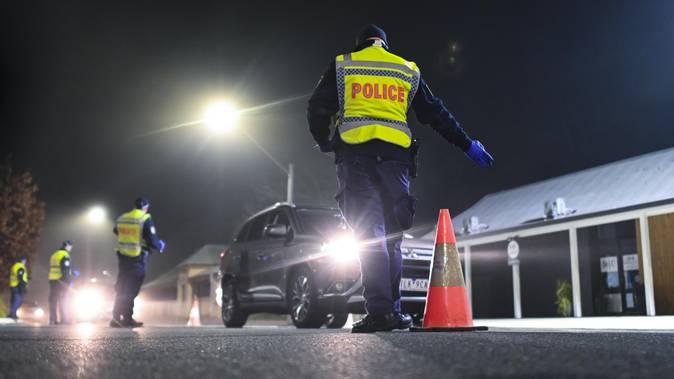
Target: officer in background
60, 279
18, 281
367, 93
136, 235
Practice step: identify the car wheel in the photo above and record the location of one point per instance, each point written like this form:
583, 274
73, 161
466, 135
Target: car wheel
305, 312
336, 320
232, 314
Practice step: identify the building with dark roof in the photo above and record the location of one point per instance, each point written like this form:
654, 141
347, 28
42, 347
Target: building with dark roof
171, 295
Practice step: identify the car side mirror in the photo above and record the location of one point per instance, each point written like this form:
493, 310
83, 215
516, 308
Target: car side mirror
276, 230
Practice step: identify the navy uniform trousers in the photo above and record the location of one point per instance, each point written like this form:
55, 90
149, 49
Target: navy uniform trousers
129, 280
58, 301
374, 197
15, 301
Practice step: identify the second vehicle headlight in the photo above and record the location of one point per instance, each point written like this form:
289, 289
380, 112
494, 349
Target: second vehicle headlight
88, 303
342, 249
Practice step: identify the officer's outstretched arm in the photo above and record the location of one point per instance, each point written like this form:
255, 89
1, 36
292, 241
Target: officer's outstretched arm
150, 236
430, 110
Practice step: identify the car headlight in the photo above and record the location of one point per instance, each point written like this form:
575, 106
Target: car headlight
343, 249
39, 313
88, 303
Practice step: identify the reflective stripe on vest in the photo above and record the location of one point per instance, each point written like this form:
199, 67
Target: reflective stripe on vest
55, 272
375, 91
14, 274
130, 240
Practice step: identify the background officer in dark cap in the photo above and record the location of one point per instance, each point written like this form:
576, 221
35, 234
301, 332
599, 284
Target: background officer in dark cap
18, 282
367, 94
136, 236
59, 284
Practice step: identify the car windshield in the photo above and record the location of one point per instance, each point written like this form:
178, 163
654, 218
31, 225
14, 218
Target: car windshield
323, 222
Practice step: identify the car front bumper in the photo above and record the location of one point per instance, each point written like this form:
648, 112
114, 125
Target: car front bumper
351, 298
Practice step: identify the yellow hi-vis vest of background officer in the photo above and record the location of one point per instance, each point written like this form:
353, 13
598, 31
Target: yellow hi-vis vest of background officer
55, 272
375, 90
14, 274
130, 232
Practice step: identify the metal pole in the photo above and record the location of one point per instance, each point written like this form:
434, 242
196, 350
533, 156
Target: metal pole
87, 241
291, 182
468, 274
648, 265
517, 294
575, 273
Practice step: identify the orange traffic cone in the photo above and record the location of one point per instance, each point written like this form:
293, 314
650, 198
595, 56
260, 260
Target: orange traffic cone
195, 317
447, 308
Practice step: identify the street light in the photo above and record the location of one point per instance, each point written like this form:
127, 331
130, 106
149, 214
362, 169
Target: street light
96, 215
220, 117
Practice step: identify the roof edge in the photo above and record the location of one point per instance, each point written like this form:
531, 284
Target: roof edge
577, 172
468, 237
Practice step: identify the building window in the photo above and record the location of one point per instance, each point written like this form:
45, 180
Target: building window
610, 270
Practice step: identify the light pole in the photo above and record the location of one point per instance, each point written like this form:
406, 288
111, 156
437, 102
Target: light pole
222, 116
94, 217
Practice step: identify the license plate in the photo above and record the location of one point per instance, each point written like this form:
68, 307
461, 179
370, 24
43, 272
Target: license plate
416, 285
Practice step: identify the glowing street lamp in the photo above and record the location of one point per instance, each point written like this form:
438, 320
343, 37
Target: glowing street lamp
220, 117
96, 215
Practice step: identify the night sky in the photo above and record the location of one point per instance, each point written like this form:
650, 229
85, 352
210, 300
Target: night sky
549, 87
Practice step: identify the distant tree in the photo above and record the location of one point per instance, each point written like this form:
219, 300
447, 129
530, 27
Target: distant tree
21, 219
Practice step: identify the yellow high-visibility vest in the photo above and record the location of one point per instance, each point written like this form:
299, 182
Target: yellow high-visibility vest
55, 272
375, 90
130, 240
14, 274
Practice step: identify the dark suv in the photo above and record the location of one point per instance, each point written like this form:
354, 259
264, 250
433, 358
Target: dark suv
303, 261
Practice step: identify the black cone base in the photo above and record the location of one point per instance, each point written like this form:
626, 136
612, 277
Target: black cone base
457, 329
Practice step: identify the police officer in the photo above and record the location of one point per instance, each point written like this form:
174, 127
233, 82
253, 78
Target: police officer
136, 235
59, 284
18, 281
367, 93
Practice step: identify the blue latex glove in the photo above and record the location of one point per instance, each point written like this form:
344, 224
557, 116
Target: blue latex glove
479, 155
76, 273
162, 246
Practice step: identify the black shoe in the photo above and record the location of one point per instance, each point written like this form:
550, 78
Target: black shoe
131, 323
116, 323
404, 321
361, 322
371, 324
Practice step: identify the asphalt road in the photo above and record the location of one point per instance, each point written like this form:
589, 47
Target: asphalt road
204, 352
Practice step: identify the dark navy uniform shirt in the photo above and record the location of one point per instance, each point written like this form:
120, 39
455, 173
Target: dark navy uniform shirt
324, 104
